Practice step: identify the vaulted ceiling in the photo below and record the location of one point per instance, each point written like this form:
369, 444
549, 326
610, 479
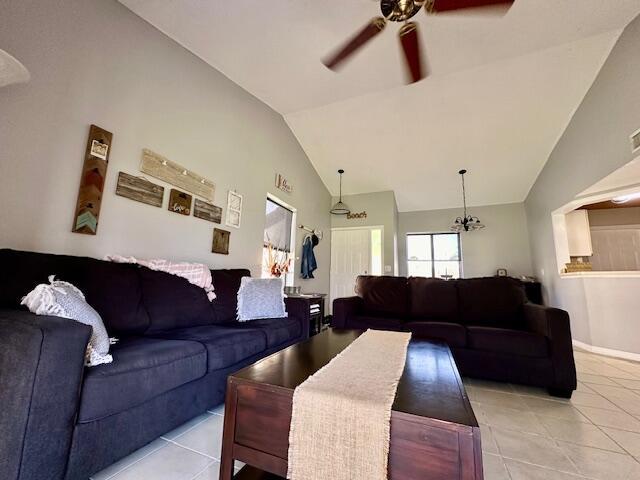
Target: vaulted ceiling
500, 93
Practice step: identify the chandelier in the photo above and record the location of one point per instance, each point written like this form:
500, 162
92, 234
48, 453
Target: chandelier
466, 222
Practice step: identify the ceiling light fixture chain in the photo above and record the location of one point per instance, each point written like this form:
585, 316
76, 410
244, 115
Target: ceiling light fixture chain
466, 222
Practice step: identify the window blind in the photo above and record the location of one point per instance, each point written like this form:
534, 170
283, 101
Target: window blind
277, 230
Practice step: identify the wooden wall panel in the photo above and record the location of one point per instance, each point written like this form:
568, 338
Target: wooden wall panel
139, 189
164, 169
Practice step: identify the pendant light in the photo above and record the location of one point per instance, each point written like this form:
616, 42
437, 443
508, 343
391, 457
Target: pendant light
11, 70
340, 208
466, 222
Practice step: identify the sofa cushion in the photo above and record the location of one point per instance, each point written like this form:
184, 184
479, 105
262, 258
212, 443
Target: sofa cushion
512, 342
383, 295
454, 334
142, 368
225, 345
276, 330
226, 284
113, 290
374, 322
433, 299
173, 302
491, 302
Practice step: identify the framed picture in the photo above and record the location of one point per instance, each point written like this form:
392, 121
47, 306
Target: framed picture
99, 149
220, 241
234, 209
502, 272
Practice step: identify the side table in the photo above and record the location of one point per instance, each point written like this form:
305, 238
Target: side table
315, 302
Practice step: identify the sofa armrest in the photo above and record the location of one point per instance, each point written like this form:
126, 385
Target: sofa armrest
344, 309
554, 324
41, 369
299, 308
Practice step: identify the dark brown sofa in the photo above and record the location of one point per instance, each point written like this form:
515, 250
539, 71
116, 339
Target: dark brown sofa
493, 332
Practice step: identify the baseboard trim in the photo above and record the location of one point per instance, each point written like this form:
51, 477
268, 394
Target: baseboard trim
607, 351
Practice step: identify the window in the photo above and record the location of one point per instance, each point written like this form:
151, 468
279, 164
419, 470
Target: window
278, 242
434, 255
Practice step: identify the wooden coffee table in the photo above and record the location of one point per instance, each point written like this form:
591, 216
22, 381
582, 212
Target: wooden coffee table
434, 433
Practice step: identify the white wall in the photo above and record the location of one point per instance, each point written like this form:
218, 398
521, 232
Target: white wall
381, 210
595, 143
93, 61
504, 243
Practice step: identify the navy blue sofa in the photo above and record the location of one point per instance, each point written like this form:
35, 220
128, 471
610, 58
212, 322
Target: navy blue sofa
60, 420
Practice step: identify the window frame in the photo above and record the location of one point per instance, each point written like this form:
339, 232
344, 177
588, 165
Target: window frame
281, 204
289, 278
433, 260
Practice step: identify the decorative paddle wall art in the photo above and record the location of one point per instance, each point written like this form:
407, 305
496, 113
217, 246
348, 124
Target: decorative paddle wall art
139, 189
94, 172
207, 211
234, 209
220, 241
164, 169
179, 202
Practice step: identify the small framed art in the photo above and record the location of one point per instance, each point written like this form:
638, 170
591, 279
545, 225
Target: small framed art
234, 209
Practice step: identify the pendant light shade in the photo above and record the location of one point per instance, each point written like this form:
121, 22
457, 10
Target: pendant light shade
340, 208
467, 222
11, 70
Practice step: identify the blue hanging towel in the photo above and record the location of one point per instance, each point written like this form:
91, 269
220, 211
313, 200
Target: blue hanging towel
308, 264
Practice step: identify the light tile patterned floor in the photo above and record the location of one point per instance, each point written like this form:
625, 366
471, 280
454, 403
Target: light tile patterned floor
526, 434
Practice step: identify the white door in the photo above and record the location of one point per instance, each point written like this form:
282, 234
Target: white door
350, 257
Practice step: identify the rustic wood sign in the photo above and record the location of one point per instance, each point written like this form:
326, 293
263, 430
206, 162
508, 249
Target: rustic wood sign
220, 241
94, 172
207, 211
283, 184
139, 189
354, 216
180, 202
164, 169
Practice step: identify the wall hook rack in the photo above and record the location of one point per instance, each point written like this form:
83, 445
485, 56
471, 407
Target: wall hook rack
317, 233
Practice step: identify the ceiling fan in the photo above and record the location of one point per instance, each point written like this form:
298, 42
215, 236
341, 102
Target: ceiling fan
402, 11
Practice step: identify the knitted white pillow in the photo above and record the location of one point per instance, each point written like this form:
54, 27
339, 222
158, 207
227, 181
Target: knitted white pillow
62, 299
261, 298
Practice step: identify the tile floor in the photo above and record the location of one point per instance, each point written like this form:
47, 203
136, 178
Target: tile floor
526, 435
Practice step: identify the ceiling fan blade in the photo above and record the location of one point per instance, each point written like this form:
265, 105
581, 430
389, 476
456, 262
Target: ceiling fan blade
411, 47
436, 6
370, 30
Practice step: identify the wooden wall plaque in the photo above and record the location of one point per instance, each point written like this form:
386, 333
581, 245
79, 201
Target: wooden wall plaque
180, 202
207, 211
171, 172
220, 241
139, 189
94, 172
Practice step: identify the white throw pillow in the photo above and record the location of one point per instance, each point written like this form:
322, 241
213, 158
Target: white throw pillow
261, 298
62, 299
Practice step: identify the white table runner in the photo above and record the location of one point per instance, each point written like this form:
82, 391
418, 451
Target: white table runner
340, 424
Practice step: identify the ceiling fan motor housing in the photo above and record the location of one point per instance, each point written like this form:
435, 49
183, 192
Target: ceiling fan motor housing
400, 10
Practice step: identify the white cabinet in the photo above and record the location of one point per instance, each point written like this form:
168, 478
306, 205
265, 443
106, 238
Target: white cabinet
578, 234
